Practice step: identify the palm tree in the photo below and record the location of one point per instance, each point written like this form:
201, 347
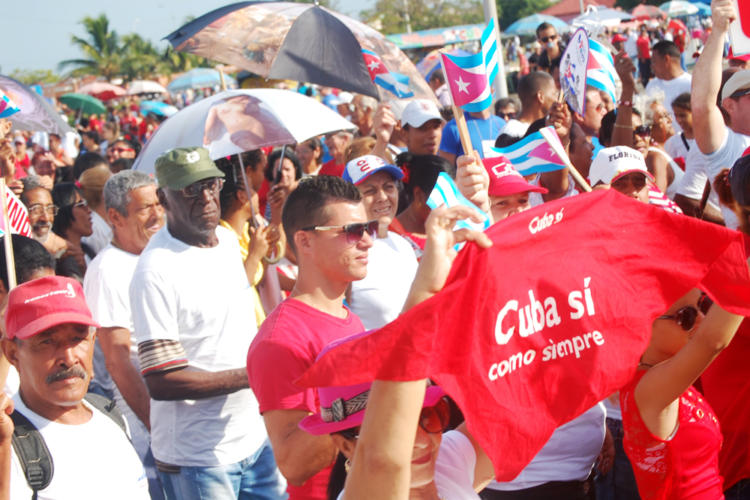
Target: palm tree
141, 60
101, 46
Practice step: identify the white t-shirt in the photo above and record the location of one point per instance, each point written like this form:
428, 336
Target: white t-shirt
91, 461
106, 285
101, 236
631, 47
675, 146
201, 298
568, 455
379, 297
699, 165
671, 88
515, 128
454, 468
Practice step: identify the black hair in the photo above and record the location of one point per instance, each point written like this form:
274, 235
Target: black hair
438, 76
121, 164
423, 171
129, 141
542, 27
274, 175
337, 478
305, 206
29, 256
64, 196
532, 83
93, 135
607, 128
505, 140
666, 48
682, 101
85, 162
503, 102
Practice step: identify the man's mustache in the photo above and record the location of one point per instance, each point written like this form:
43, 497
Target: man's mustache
40, 225
73, 371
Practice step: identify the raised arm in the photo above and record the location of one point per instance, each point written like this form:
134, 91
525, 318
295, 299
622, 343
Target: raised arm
6, 435
708, 123
664, 383
622, 134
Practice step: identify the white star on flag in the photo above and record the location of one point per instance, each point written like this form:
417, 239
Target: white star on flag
462, 85
373, 65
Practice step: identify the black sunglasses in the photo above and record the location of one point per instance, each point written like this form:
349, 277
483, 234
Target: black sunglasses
686, 316
432, 419
354, 232
642, 130
548, 38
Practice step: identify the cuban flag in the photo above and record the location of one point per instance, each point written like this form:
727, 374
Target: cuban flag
7, 106
470, 77
395, 83
446, 193
600, 72
536, 153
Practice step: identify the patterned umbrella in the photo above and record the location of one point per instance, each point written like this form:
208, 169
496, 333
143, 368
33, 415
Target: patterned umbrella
677, 8
35, 113
102, 90
302, 42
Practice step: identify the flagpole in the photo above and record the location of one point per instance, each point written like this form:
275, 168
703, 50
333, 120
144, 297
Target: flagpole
10, 261
458, 115
500, 83
564, 157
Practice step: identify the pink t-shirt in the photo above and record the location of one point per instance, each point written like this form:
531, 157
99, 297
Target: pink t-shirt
287, 344
684, 466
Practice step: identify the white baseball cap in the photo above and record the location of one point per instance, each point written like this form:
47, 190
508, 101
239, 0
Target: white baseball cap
612, 163
359, 169
418, 112
738, 81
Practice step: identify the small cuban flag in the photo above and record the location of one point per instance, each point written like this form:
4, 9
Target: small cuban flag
7, 106
395, 83
446, 193
470, 77
536, 153
600, 71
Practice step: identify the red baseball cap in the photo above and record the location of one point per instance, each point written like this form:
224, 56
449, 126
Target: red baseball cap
619, 37
743, 57
505, 180
40, 304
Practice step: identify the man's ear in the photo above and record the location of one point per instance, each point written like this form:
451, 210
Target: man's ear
302, 242
10, 351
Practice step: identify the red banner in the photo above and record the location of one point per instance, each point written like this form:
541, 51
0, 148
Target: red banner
530, 333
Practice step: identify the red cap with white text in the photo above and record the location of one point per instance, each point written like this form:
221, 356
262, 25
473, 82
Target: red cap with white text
505, 180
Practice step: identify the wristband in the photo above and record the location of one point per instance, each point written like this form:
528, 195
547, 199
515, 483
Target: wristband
620, 125
627, 104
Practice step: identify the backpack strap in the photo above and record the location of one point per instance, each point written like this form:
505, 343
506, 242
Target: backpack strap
108, 407
32, 453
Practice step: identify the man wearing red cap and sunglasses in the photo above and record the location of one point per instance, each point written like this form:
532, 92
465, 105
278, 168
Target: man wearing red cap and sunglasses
49, 340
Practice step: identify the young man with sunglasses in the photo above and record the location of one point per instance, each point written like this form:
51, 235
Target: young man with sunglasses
551, 45
193, 320
327, 229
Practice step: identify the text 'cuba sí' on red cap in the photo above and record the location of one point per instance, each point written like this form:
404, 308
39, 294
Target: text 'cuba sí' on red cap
40, 304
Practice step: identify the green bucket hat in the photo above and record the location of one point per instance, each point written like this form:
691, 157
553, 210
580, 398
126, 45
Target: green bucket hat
180, 167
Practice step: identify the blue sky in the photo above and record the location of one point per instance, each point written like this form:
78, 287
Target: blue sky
36, 33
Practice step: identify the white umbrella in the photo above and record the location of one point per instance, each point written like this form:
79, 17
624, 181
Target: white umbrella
601, 16
678, 8
234, 121
145, 87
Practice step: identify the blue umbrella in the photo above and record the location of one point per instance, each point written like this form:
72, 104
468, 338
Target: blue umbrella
199, 78
704, 10
528, 25
157, 108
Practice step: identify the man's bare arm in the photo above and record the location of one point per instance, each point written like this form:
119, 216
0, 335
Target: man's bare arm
187, 383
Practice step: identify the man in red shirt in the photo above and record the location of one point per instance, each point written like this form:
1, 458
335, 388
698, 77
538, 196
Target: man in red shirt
326, 227
644, 55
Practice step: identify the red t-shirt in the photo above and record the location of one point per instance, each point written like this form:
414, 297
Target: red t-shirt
685, 466
644, 47
726, 384
287, 344
332, 168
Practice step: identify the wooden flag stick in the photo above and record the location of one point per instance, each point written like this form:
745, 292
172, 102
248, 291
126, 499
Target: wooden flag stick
458, 115
221, 75
557, 148
10, 262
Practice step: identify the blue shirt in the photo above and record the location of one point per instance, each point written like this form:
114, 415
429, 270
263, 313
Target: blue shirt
479, 130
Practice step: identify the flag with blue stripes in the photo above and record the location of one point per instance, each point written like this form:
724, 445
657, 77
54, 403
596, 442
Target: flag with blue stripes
395, 83
446, 193
470, 77
534, 153
601, 73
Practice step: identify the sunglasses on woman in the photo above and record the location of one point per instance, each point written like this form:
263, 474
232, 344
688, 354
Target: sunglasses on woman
354, 232
433, 420
687, 316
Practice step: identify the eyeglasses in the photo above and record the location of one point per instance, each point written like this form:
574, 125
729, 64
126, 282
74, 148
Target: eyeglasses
548, 38
686, 316
432, 419
642, 130
195, 189
638, 181
507, 116
80, 204
120, 150
38, 209
353, 232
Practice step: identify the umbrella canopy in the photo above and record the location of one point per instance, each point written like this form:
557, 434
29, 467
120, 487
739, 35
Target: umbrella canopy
677, 8
297, 41
234, 121
157, 108
704, 10
601, 16
84, 103
643, 11
102, 90
145, 87
35, 114
528, 25
199, 78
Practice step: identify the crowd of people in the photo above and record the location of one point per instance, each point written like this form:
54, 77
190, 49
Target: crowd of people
153, 344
